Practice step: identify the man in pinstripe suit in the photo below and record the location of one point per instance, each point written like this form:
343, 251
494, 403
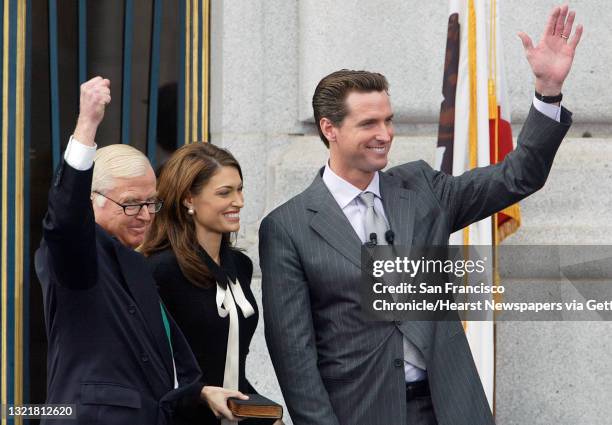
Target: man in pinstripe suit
334, 367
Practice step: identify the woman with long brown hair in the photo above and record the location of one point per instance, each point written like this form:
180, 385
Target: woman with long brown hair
203, 281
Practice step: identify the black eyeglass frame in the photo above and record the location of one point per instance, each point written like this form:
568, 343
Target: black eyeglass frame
152, 207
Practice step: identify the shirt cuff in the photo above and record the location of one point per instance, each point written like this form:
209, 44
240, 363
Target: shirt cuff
78, 155
551, 110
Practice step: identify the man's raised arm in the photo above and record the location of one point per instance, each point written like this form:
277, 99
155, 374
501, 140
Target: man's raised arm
481, 192
69, 225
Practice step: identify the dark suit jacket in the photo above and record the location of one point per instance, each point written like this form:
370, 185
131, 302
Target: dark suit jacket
333, 366
108, 352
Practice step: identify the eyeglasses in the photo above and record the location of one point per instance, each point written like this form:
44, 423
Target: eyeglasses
134, 209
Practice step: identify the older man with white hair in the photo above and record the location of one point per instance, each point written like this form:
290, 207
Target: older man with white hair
114, 352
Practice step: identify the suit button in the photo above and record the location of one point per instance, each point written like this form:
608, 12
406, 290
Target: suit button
398, 362
132, 309
144, 358
397, 322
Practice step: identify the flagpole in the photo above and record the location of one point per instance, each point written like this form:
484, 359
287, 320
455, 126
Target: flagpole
494, 113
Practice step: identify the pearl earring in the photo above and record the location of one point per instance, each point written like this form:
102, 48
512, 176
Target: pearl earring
190, 211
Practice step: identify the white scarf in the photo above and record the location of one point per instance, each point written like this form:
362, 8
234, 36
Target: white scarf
227, 299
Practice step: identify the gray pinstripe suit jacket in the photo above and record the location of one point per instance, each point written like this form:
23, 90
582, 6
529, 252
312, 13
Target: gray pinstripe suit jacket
333, 366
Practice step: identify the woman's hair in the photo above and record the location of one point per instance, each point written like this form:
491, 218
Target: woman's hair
186, 173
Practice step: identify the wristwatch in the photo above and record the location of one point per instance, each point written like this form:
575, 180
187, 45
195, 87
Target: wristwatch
549, 99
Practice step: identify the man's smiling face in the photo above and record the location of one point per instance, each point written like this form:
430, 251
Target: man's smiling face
130, 230
359, 146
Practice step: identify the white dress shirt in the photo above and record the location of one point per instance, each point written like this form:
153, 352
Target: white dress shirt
79, 156
551, 110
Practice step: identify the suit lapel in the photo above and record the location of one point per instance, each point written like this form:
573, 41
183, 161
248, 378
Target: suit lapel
399, 209
330, 222
333, 226
142, 288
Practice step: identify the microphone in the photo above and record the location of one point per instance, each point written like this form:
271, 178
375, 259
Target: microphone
389, 236
373, 240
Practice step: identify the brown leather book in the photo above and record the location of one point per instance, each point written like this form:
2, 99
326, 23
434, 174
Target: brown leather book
257, 406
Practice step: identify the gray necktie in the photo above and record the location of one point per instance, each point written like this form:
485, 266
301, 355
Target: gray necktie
373, 223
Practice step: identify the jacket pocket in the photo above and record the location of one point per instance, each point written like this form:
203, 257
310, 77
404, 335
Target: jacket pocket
110, 395
338, 384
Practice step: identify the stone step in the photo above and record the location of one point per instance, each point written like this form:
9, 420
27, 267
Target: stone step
559, 234
553, 372
574, 195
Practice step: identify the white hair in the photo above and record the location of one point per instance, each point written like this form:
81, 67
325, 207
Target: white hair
113, 162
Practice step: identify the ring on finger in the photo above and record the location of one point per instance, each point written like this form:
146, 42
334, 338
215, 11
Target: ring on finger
563, 36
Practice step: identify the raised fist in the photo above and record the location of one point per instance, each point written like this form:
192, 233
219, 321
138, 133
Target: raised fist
95, 95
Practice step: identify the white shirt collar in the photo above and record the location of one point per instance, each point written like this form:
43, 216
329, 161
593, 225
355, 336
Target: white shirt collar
343, 191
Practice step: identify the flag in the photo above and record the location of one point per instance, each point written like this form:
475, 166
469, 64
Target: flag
474, 131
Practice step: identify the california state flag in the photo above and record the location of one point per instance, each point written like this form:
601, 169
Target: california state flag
475, 132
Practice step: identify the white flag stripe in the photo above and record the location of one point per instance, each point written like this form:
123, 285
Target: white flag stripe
462, 101
479, 334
